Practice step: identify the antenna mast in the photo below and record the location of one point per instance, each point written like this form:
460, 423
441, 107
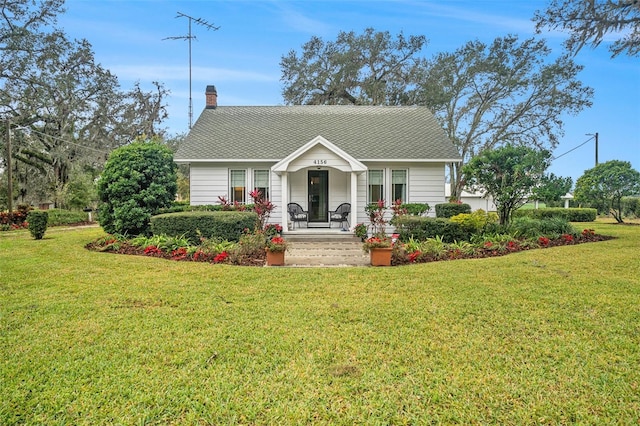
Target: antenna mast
190, 37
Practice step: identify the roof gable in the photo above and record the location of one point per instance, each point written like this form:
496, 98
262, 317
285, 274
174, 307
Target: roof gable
286, 163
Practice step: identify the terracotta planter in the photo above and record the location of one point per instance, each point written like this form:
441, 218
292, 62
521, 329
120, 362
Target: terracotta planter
380, 256
275, 258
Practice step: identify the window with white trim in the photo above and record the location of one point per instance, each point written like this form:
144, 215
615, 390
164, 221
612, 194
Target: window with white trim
398, 185
376, 186
238, 186
261, 182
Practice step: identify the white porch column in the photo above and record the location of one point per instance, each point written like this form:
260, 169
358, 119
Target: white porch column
354, 199
284, 189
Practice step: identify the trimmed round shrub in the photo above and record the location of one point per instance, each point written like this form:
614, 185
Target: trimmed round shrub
447, 210
138, 180
37, 223
226, 225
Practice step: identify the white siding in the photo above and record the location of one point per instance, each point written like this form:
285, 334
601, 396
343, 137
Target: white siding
425, 184
207, 182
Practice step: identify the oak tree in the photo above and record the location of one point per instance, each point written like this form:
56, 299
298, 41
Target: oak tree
590, 21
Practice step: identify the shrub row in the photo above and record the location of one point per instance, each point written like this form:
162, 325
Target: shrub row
16, 217
421, 228
552, 227
447, 210
226, 225
631, 206
572, 214
59, 217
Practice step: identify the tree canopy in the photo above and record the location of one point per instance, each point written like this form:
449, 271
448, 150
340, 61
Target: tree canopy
372, 68
67, 111
589, 21
552, 188
484, 95
509, 174
606, 184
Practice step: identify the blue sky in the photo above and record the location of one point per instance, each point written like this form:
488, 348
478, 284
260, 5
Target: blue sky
242, 58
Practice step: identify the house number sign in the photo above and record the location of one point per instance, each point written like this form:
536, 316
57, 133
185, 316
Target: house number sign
319, 162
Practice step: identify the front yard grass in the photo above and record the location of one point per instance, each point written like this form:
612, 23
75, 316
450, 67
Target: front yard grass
549, 336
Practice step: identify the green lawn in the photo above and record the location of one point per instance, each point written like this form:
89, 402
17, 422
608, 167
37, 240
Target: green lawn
549, 336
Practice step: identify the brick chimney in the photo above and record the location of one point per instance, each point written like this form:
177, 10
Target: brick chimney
212, 97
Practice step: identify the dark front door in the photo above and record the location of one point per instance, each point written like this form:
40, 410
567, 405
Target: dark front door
318, 196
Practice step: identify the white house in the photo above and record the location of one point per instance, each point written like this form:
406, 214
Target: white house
316, 156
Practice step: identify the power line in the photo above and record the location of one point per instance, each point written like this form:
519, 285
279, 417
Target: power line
573, 149
60, 139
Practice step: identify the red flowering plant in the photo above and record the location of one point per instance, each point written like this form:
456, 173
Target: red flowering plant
543, 241
276, 244
152, 251
567, 238
179, 254
221, 257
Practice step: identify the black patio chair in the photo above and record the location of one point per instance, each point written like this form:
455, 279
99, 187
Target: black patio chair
340, 214
297, 214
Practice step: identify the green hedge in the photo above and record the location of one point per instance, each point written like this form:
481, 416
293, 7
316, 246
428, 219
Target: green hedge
227, 225
182, 206
572, 214
447, 210
59, 217
421, 228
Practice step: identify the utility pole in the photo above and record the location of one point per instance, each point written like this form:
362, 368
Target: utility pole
9, 171
190, 37
595, 136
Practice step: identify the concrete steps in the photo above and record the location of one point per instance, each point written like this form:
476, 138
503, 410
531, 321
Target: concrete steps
315, 249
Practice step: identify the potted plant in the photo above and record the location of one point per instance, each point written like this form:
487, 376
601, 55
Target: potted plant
380, 249
379, 245
275, 249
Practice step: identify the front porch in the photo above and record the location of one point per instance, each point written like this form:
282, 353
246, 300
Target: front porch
320, 179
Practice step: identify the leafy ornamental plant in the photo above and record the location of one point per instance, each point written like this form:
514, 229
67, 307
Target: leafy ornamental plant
360, 231
378, 223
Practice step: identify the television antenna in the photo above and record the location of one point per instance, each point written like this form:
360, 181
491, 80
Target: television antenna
189, 37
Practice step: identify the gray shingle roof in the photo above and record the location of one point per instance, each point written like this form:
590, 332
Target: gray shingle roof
273, 132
